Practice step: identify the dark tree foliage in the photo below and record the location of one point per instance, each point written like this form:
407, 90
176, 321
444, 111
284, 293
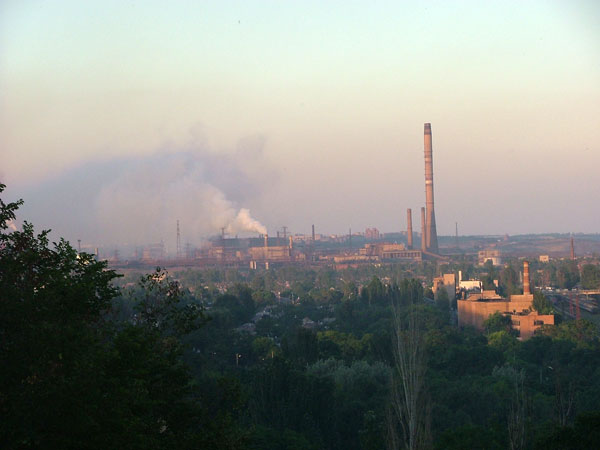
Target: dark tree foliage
590, 276
73, 377
541, 304
86, 365
497, 322
584, 434
509, 281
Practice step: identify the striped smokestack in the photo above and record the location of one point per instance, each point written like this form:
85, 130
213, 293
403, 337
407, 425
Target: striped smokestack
572, 249
430, 233
526, 289
409, 242
423, 232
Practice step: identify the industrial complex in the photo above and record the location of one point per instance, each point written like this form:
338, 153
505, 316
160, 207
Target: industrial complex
473, 302
341, 251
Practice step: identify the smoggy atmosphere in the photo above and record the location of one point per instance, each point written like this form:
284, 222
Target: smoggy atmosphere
118, 119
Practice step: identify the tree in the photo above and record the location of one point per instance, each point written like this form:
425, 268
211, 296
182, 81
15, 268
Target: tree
541, 304
71, 376
517, 412
566, 275
590, 276
497, 322
509, 281
410, 407
53, 305
442, 299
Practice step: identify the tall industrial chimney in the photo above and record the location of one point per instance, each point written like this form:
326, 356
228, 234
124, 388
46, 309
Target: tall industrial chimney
313, 233
431, 233
266, 240
572, 249
526, 289
423, 232
409, 242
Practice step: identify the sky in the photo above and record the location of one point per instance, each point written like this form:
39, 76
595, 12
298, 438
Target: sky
119, 118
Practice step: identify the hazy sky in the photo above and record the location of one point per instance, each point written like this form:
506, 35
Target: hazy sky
316, 108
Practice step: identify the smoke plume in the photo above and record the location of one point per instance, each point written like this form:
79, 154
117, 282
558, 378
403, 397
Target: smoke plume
244, 222
138, 200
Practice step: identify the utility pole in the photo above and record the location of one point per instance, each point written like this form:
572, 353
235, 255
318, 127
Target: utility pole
178, 241
350, 238
456, 223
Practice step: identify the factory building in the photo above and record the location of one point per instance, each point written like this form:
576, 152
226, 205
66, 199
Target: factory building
384, 251
492, 255
477, 307
448, 282
372, 234
272, 253
468, 285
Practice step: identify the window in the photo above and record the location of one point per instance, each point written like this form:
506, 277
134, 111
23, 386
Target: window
538, 322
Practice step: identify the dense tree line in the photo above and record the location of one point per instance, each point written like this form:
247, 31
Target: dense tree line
287, 359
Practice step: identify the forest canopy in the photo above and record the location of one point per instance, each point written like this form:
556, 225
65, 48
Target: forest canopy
88, 360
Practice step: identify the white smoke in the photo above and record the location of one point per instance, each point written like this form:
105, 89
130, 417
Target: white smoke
131, 201
244, 222
144, 202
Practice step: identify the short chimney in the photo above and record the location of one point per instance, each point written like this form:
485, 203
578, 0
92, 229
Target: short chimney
526, 289
423, 232
409, 234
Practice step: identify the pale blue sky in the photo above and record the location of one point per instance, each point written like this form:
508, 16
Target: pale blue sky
337, 92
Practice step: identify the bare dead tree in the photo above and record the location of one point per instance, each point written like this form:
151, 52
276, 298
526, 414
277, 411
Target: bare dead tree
565, 399
517, 412
409, 414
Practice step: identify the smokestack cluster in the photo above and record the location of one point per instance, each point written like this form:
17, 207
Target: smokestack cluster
430, 230
409, 236
526, 289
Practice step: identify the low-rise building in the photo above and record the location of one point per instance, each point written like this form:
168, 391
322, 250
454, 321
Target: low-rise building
492, 255
448, 282
477, 307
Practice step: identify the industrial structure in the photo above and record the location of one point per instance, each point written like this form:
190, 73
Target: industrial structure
429, 238
491, 254
430, 229
477, 307
263, 251
423, 231
409, 233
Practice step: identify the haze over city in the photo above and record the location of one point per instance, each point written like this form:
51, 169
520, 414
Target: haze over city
117, 119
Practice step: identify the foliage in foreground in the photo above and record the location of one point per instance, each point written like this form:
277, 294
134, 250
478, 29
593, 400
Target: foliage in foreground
74, 377
85, 365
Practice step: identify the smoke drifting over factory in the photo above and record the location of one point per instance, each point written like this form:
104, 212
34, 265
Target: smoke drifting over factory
230, 250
